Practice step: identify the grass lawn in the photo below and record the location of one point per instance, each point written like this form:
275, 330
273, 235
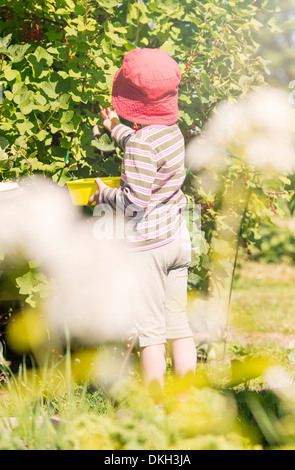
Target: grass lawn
263, 305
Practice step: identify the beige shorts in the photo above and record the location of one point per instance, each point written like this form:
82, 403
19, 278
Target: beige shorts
160, 293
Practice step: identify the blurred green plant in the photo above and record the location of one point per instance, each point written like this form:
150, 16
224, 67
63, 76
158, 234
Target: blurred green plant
278, 46
277, 245
224, 408
245, 402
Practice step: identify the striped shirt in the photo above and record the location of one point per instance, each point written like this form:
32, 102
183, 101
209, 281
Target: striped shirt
149, 196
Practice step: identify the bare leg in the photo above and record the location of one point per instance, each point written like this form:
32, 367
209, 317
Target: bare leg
153, 360
184, 356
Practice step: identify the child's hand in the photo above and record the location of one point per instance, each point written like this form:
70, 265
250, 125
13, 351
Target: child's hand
95, 197
111, 119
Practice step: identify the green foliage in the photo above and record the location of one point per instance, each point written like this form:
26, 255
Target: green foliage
57, 62
277, 45
225, 409
277, 245
235, 215
22, 280
10, 442
58, 59
229, 405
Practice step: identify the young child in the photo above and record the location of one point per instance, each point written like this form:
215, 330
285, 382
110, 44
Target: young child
145, 92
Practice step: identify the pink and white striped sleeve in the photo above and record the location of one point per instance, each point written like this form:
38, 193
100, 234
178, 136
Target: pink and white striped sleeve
140, 170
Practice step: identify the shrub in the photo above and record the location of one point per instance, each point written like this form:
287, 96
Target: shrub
57, 62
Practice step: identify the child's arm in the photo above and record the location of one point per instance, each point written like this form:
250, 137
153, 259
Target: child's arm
110, 118
120, 133
140, 171
111, 121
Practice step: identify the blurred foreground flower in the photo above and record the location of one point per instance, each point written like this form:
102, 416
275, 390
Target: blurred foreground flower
282, 384
259, 128
90, 279
208, 321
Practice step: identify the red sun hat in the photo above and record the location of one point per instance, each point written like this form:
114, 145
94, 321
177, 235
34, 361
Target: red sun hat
145, 88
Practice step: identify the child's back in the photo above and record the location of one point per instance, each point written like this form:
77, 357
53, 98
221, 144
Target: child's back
152, 176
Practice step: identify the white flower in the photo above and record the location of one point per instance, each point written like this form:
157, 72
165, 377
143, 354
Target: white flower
259, 128
207, 320
273, 152
90, 278
281, 383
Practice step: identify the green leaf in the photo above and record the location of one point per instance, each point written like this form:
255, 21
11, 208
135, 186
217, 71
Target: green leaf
169, 5
49, 88
275, 27
8, 95
66, 121
10, 74
169, 47
119, 41
25, 102
70, 4
34, 286
64, 101
81, 26
5, 164
110, 28
99, 61
3, 155
116, 26
42, 55
25, 283
65, 85
245, 81
206, 81
285, 180
108, 6
71, 32
106, 45
40, 61
185, 98
4, 42
186, 117
18, 88
3, 143
17, 52
42, 135
104, 144
24, 127
40, 99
